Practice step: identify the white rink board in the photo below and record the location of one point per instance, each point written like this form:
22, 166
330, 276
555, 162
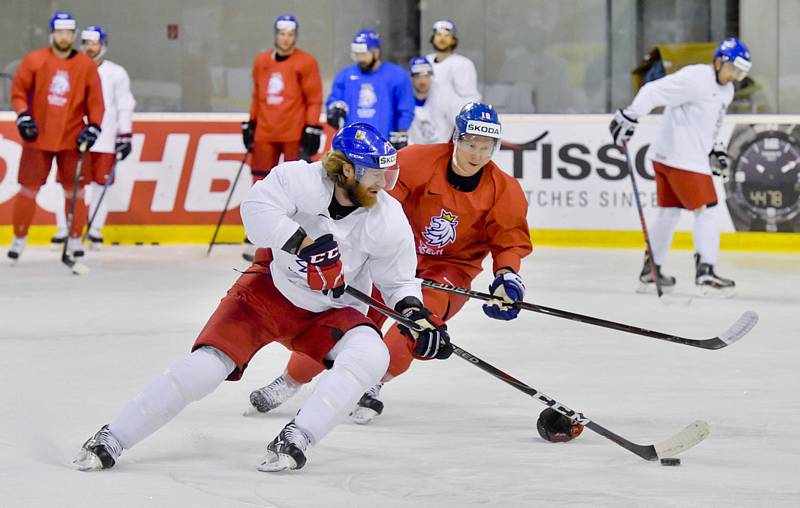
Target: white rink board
75, 349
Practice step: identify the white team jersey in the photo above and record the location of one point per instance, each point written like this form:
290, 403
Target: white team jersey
119, 103
457, 77
376, 244
434, 121
695, 107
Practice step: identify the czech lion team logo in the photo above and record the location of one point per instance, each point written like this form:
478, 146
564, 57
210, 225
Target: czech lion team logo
439, 233
59, 88
275, 88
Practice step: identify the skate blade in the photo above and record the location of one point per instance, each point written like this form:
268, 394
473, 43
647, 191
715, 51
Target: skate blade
710, 292
363, 415
274, 462
649, 287
87, 461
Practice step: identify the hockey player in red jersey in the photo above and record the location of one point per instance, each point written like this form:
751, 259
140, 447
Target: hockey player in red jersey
284, 112
319, 226
461, 207
53, 90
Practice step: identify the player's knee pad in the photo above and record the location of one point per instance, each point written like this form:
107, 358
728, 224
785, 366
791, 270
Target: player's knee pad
198, 374
362, 354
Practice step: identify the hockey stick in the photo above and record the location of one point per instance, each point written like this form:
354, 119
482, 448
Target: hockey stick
680, 442
76, 267
109, 179
736, 331
227, 202
650, 259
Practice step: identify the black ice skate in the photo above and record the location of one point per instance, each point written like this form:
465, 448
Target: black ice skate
369, 406
286, 451
647, 281
708, 282
75, 247
17, 246
58, 239
98, 452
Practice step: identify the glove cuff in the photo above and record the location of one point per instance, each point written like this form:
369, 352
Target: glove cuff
410, 303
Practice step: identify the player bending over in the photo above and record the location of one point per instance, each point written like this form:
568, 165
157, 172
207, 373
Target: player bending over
461, 207
318, 227
696, 98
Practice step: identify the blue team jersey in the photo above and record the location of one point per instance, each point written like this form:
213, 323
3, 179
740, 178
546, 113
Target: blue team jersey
383, 99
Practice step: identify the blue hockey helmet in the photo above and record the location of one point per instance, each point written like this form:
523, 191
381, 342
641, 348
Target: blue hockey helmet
445, 25
477, 119
735, 51
418, 66
286, 22
62, 20
94, 33
365, 41
369, 152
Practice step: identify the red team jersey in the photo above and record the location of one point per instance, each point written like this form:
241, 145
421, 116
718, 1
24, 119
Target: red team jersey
461, 228
58, 94
287, 95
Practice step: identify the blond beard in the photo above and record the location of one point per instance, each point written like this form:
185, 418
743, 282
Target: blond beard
359, 195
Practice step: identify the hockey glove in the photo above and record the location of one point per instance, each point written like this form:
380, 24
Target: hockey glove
431, 340
248, 134
337, 114
622, 127
88, 136
399, 139
324, 266
27, 127
309, 143
557, 428
122, 146
720, 166
507, 288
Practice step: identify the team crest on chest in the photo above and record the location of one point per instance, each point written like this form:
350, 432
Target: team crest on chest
59, 88
439, 233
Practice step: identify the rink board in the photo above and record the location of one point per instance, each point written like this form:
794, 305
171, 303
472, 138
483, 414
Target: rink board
173, 186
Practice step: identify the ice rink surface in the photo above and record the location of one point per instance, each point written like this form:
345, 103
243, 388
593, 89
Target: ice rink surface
75, 349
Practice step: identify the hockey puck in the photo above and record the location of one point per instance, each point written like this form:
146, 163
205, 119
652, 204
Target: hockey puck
670, 462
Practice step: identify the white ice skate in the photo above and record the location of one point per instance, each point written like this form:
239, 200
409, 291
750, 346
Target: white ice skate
369, 406
95, 239
75, 247
58, 239
98, 452
17, 246
269, 397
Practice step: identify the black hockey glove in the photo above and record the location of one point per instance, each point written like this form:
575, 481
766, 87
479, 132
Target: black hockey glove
432, 340
88, 136
248, 134
27, 127
337, 114
720, 160
557, 428
309, 143
622, 127
399, 139
122, 146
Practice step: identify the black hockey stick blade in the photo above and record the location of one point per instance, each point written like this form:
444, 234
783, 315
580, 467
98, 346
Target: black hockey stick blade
739, 329
76, 267
680, 442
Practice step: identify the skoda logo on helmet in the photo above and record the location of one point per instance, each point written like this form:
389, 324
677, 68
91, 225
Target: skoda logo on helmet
483, 129
387, 160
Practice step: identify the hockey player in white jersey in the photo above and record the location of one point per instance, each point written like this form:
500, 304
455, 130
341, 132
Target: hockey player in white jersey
318, 227
455, 73
114, 142
433, 119
696, 98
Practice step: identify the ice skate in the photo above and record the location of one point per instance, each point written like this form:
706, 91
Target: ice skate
286, 451
269, 397
75, 247
95, 239
369, 406
17, 246
98, 452
249, 253
709, 283
647, 281
58, 239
